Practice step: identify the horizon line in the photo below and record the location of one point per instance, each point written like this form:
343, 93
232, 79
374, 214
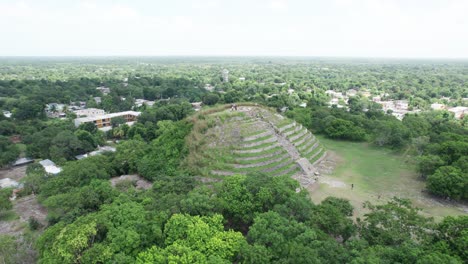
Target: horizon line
239, 56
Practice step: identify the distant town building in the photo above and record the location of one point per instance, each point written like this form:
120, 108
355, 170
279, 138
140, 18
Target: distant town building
98, 100
104, 90
438, 106
196, 106
99, 151
366, 94
101, 121
209, 87
242, 79
290, 91
225, 75
7, 114
334, 94
351, 92
55, 110
141, 102
459, 111
89, 112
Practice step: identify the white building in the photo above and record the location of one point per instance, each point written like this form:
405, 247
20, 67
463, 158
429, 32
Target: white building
438, 106
334, 94
89, 112
102, 121
7, 114
351, 92
225, 75
141, 102
104, 90
50, 167
459, 111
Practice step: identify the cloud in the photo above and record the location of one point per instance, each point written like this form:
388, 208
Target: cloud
268, 27
278, 5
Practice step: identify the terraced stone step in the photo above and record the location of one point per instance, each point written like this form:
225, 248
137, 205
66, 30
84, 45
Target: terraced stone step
298, 135
222, 173
315, 155
257, 136
281, 165
302, 140
292, 131
273, 154
307, 152
260, 164
258, 143
241, 151
307, 144
283, 128
288, 170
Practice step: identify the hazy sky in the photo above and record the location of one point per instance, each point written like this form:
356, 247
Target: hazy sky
369, 28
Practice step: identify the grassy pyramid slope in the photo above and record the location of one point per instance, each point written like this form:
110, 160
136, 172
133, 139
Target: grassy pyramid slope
251, 139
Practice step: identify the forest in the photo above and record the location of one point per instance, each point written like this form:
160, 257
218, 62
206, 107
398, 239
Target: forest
253, 218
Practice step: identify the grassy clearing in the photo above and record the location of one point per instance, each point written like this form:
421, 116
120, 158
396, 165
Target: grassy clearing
374, 172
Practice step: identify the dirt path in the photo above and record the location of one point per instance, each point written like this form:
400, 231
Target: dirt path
25, 207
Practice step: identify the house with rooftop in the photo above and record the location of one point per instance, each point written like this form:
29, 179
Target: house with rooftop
50, 167
438, 107
141, 102
104, 121
104, 90
459, 111
89, 112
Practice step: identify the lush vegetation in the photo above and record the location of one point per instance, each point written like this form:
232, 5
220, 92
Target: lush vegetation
253, 218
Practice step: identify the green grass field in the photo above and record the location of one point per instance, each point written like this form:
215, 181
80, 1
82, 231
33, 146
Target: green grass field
374, 172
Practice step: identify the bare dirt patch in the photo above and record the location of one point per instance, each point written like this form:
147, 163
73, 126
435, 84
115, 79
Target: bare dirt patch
14, 173
25, 208
139, 182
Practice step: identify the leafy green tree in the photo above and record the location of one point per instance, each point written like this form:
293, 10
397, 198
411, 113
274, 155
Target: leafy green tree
8, 151
332, 216
452, 234
5, 203
210, 99
428, 164
128, 154
393, 223
449, 181
65, 145
343, 129
117, 121
167, 150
